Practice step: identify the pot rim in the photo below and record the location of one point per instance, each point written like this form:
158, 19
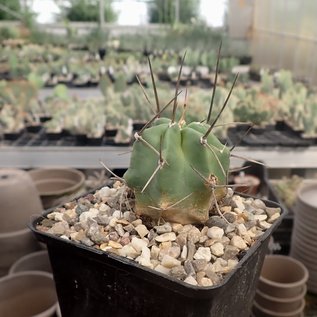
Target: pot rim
280, 314
286, 285
50, 310
283, 300
26, 257
11, 234
304, 187
71, 189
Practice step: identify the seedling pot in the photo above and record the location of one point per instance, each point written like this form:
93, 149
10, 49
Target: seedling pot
90, 282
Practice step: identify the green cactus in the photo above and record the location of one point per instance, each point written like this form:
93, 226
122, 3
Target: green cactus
177, 170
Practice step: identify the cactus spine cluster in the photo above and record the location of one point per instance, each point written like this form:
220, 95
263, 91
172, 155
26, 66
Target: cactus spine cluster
178, 170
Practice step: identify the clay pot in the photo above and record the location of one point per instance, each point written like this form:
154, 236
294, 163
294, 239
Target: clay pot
14, 245
249, 184
57, 186
282, 276
282, 305
260, 311
35, 261
19, 200
304, 243
28, 294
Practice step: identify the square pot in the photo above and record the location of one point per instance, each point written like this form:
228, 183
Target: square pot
91, 282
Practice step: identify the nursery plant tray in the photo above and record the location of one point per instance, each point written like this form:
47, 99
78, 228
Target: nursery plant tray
41, 139
271, 135
90, 282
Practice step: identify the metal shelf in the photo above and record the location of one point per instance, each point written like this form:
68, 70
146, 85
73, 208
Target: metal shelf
119, 157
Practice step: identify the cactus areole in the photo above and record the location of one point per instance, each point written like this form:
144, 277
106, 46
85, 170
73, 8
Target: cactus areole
175, 171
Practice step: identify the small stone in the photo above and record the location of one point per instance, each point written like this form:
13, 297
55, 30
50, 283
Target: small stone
209, 271
138, 244
237, 202
173, 251
163, 228
258, 203
178, 272
141, 230
80, 208
103, 193
242, 230
137, 222
209, 242
177, 227
238, 242
216, 221
205, 281
225, 240
217, 249
250, 224
118, 227
272, 211
183, 256
117, 214
193, 235
264, 225
155, 251
162, 269
181, 239
215, 233
170, 236
113, 222
260, 217
189, 268
59, 228
203, 253
125, 240
199, 264
230, 252
169, 261
129, 228
230, 228
273, 218
114, 245
219, 266
113, 236
104, 247
129, 216
102, 220
259, 211
230, 216
103, 208
190, 280
128, 251
93, 212
191, 249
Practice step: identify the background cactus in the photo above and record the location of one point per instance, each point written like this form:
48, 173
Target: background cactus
178, 170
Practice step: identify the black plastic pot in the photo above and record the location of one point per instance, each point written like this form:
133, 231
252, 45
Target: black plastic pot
90, 282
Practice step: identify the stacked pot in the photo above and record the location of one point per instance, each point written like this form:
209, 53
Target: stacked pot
19, 200
304, 242
281, 289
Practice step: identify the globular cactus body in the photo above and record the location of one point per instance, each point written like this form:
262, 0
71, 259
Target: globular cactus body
173, 169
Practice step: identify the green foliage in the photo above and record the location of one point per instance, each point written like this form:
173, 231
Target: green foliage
12, 5
163, 11
88, 11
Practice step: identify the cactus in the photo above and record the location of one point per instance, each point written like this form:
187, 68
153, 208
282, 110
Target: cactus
178, 170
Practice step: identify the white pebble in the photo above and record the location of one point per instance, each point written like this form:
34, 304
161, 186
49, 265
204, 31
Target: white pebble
169, 262
203, 253
141, 230
215, 233
238, 242
170, 236
217, 249
138, 244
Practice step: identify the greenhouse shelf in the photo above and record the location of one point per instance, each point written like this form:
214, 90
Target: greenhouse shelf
119, 156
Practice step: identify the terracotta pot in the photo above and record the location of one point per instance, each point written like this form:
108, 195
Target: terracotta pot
19, 200
282, 305
28, 294
14, 245
249, 184
57, 186
282, 276
35, 261
260, 311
